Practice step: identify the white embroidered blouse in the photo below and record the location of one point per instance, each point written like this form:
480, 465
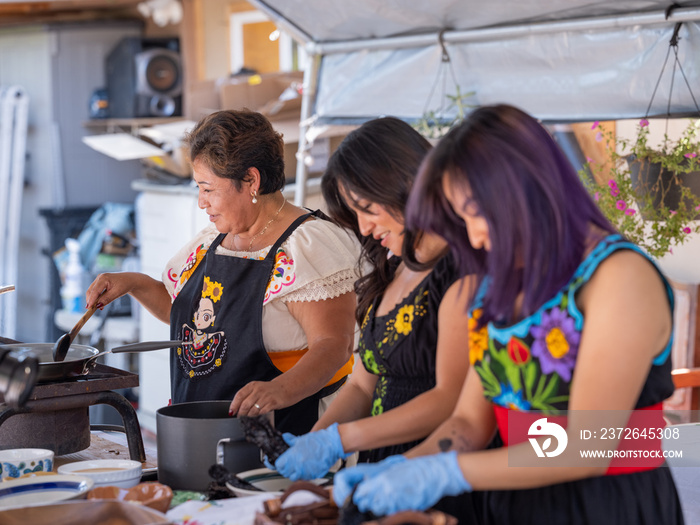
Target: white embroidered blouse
318, 261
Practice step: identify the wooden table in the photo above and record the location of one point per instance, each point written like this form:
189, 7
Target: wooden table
108, 445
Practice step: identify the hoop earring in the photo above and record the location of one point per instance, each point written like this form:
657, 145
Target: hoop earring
255, 197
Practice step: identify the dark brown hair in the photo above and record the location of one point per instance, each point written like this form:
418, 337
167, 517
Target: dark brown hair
379, 162
230, 142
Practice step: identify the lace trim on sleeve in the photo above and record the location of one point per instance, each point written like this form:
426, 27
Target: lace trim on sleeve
329, 287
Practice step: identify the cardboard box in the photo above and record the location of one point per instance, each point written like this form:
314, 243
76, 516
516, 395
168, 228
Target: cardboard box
202, 98
276, 95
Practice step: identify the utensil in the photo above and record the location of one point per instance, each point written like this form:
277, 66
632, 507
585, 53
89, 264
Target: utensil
7, 288
78, 362
60, 348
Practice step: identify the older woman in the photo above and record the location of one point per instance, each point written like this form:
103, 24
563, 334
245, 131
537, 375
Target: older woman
265, 292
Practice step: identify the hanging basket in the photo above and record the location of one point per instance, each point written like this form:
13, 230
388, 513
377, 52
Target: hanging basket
662, 186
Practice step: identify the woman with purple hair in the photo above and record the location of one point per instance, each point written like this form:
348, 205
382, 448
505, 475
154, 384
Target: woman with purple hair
570, 350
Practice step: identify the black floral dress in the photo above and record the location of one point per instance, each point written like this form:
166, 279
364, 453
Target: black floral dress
530, 366
400, 347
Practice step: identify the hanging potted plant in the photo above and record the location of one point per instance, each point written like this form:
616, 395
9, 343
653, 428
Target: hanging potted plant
649, 193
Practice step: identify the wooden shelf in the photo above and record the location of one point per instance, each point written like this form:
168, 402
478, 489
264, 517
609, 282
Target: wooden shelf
111, 125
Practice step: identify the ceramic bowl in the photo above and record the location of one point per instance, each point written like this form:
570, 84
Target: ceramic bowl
269, 481
16, 462
122, 473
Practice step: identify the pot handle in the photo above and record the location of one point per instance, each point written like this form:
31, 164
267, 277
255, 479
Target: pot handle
147, 346
220, 450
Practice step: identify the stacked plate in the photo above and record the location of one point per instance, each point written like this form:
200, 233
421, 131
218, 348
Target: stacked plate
40, 490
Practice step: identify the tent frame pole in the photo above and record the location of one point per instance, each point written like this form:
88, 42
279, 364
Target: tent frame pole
688, 14
308, 98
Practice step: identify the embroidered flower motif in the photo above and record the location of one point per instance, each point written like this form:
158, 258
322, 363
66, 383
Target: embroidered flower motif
369, 361
188, 269
511, 399
518, 351
556, 343
377, 407
478, 339
217, 362
404, 319
282, 275
212, 289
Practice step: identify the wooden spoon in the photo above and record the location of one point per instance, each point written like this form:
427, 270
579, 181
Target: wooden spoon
61, 347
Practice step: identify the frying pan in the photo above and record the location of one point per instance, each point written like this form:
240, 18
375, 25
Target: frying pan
79, 360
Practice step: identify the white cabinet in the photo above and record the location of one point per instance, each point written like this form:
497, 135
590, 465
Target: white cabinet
166, 217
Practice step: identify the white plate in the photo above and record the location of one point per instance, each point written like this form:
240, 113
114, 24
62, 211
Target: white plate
40, 490
267, 480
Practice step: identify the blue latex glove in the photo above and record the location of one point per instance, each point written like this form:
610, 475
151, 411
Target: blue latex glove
311, 456
415, 484
346, 479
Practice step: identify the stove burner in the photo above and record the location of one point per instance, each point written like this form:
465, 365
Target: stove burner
56, 415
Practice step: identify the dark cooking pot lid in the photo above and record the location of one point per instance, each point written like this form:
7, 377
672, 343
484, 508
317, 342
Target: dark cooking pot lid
44, 351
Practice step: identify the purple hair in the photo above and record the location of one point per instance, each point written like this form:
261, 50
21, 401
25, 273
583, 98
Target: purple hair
538, 212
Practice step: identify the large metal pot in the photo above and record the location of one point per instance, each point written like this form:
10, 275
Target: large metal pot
188, 435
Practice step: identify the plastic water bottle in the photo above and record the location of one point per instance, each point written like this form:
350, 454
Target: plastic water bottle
72, 290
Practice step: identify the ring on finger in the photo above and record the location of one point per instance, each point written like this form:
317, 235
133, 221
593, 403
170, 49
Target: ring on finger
257, 406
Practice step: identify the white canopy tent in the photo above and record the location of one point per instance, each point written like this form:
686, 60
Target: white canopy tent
575, 60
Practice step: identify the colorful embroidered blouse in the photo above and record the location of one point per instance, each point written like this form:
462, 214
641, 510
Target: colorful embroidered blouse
318, 261
530, 365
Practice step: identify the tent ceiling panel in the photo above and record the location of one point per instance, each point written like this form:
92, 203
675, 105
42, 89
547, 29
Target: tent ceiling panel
585, 61
342, 20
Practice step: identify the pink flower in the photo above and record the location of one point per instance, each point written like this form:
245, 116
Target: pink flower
697, 208
612, 184
673, 212
690, 155
598, 136
644, 123
614, 192
630, 211
597, 197
595, 125
588, 159
621, 205
670, 250
686, 230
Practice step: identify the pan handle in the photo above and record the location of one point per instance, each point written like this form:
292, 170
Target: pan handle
147, 346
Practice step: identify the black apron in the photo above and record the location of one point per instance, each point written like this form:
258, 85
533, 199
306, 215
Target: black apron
220, 308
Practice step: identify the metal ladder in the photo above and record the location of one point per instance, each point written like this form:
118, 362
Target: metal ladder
14, 105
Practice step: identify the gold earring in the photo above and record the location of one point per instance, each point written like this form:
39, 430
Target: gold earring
255, 197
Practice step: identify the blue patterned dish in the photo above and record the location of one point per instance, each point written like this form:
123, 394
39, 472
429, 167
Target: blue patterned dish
17, 462
41, 490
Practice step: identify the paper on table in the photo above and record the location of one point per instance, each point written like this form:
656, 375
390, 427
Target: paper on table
122, 146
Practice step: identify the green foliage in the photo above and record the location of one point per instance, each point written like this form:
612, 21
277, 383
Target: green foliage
636, 207
432, 126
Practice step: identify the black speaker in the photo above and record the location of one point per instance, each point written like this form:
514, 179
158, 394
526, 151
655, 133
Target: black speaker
144, 78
